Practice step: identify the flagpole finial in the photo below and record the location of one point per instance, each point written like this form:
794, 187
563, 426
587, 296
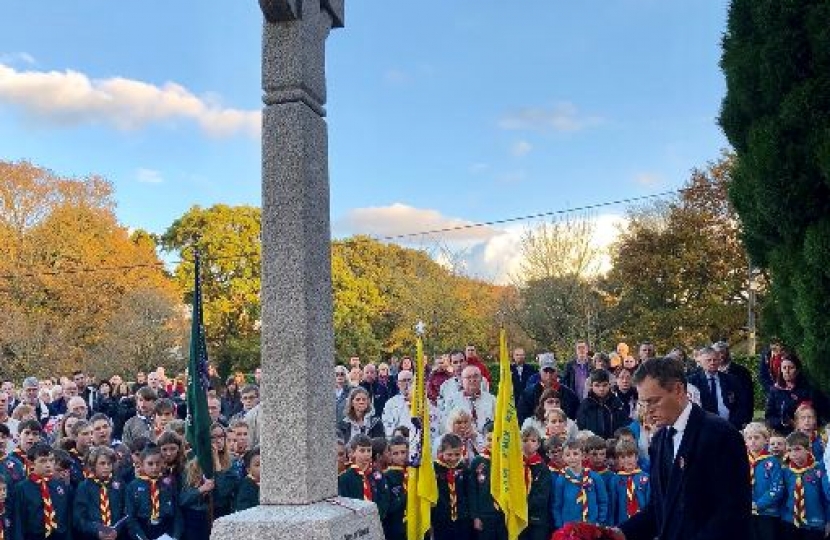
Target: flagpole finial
420, 329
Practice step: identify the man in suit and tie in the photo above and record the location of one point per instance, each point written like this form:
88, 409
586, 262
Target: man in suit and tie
720, 392
699, 465
521, 373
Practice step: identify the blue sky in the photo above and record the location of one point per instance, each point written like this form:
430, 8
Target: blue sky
439, 112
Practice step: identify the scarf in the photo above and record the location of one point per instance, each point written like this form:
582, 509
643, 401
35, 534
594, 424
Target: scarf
367, 487
632, 506
535, 459
50, 522
582, 482
24, 459
155, 502
405, 471
451, 487
104, 500
754, 460
799, 503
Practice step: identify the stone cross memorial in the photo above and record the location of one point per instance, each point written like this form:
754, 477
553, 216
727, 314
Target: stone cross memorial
298, 492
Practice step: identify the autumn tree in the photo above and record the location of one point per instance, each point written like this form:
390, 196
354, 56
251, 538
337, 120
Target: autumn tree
679, 274
557, 300
68, 267
776, 114
228, 240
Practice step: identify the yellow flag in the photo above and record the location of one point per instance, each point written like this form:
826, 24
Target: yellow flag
421, 487
507, 482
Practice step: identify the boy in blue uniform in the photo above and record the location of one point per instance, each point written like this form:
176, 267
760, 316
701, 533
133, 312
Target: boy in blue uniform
42, 506
537, 480
99, 499
579, 493
804, 510
767, 483
451, 515
17, 464
596, 453
82, 434
151, 502
488, 519
631, 487
806, 422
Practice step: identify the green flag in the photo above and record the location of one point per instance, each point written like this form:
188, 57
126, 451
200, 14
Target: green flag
198, 419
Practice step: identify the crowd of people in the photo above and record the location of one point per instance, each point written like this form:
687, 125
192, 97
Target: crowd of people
587, 437
101, 460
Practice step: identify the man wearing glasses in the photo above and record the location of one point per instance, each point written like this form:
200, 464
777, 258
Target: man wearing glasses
699, 465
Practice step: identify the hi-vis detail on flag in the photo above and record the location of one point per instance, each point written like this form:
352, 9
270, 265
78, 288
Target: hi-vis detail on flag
507, 482
421, 487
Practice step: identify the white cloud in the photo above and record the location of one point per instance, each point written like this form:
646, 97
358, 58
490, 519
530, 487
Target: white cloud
400, 219
648, 179
148, 176
70, 98
520, 148
562, 117
14, 58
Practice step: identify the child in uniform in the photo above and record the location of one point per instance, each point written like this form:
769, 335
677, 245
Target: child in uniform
151, 502
596, 454
778, 446
247, 494
488, 519
631, 487
451, 516
99, 499
767, 484
18, 467
806, 422
194, 501
579, 493
62, 471
42, 506
82, 435
172, 457
538, 483
804, 510
396, 478
360, 480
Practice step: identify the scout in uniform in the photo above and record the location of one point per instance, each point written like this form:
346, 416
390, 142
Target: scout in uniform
360, 481
451, 516
396, 478
766, 481
150, 501
488, 519
631, 487
247, 494
538, 484
99, 499
42, 506
579, 493
17, 464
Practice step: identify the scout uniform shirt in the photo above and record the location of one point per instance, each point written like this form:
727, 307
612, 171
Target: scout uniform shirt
42, 509
97, 503
153, 509
368, 485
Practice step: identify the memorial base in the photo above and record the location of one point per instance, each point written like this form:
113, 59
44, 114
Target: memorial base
332, 519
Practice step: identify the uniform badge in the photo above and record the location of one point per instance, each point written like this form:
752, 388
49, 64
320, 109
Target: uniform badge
10, 465
60, 491
377, 476
768, 464
167, 481
116, 485
644, 480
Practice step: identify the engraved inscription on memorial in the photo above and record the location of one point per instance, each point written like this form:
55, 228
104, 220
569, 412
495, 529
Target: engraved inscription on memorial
360, 533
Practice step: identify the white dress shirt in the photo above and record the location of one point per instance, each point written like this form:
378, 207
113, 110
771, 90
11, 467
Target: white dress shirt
680, 426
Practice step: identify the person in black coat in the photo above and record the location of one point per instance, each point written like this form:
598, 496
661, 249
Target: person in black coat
727, 400
744, 379
547, 379
520, 373
790, 391
699, 465
360, 418
602, 412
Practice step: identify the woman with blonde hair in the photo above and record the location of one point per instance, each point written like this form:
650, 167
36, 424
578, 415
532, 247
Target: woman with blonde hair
460, 422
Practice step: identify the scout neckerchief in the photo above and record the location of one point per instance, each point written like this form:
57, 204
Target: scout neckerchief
104, 500
367, 487
50, 523
799, 504
405, 472
155, 502
754, 460
583, 481
535, 459
450, 478
559, 469
632, 506
24, 459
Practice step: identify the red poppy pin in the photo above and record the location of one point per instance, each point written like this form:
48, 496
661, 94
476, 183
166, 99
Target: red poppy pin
681, 462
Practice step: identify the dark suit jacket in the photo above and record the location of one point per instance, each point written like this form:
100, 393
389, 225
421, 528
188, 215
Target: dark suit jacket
747, 391
520, 383
730, 393
707, 495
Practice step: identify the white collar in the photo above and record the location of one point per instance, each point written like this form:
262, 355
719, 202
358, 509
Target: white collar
680, 424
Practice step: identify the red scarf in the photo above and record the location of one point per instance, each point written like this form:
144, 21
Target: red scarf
50, 522
450, 476
799, 503
24, 459
754, 460
535, 459
367, 487
104, 500
582, 482
155, 501
632, 506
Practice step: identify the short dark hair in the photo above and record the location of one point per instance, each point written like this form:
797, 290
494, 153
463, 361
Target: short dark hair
359, 441
450, 440
397, 440
665, 371
5, 431
594, 442
151, 449
39, 450
31, 425
796, 438
624, 431
599, 376
379, 446
164, 405
138, 444
100, 416
626, 448
249, 456
63, 459
146, 393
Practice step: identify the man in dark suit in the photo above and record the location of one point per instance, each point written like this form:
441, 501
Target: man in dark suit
744, 379
699, 465
521, 373
720, 393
